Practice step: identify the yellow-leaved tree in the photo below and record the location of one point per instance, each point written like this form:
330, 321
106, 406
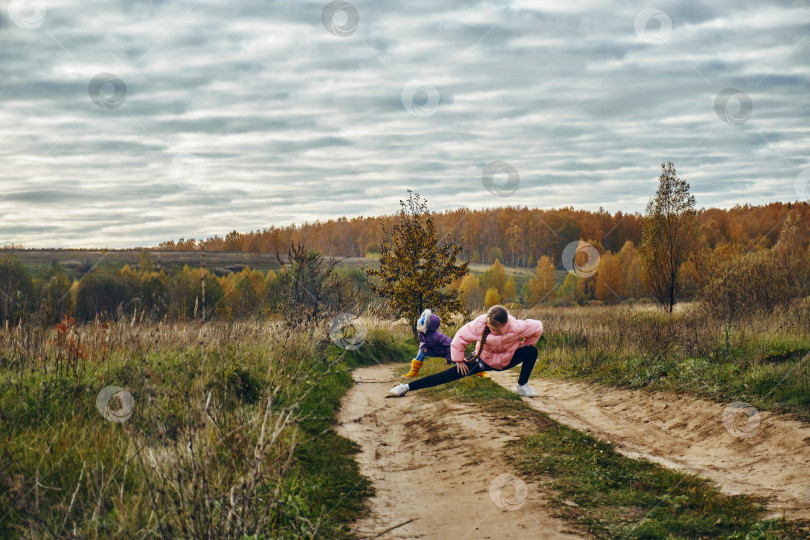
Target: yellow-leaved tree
631, 266
470, 292
416, 269
510, 290
494, 277
492, 297
541, 287
609, 280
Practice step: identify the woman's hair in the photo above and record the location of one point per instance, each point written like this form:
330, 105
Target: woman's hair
496, 313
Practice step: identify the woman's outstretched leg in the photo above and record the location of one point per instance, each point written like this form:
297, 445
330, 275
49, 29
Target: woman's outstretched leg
446, 376
443, 377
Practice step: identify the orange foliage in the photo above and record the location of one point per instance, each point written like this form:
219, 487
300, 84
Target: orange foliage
68, 344
522, 234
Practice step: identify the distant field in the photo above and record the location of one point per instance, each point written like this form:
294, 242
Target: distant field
77, 262
522, 274
517, 271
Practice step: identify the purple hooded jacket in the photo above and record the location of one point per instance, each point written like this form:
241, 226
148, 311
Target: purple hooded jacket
435, 341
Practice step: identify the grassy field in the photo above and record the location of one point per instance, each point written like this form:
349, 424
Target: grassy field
224, 430
231, 423
78, 262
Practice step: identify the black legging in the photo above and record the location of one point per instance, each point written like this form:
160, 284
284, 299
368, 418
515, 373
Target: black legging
525, 355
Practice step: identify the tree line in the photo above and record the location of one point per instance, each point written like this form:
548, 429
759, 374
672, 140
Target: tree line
737, 262
673, 262
516, 236
307, 287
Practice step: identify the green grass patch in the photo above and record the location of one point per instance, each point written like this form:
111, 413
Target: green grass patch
327, 483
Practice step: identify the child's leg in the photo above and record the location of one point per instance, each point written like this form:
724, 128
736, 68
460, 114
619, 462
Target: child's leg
435, 354
440, 354
416, 364
446, 376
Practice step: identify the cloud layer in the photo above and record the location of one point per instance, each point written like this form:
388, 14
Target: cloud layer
129, 123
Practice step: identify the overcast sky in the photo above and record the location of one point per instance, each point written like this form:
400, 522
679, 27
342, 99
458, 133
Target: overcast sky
128, 123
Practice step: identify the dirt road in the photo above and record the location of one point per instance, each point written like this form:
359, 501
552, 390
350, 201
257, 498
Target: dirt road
438, 471
437, 468
754, 452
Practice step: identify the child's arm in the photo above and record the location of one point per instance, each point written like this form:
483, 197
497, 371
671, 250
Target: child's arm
446, 344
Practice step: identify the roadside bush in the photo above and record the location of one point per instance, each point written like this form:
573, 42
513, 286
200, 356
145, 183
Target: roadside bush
54, 294
104, 293
737, 285
16, 290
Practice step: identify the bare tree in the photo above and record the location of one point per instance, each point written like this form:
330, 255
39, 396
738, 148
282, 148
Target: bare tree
315, 288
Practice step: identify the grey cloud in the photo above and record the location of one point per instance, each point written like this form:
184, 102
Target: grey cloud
44, 196
571, 97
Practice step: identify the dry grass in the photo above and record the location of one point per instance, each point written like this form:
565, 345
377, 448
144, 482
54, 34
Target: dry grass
227, 438
764, 362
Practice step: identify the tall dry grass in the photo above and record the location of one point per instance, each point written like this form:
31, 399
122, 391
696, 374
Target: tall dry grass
764, 359
221, 414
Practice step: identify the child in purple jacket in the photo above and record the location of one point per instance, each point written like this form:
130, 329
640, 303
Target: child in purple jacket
431, 343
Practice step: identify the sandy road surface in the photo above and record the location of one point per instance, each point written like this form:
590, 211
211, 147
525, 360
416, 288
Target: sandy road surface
435, 467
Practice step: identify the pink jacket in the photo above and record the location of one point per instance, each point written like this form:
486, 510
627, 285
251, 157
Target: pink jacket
498, 350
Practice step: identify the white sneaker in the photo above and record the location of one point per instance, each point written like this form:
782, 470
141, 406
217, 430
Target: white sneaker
399, 390
524, 390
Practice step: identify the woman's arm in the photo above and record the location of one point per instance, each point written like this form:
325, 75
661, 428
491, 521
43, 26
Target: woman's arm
467, 334
530, 331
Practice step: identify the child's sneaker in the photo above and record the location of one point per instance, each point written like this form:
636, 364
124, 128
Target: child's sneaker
524, 390
482, 374
399, 390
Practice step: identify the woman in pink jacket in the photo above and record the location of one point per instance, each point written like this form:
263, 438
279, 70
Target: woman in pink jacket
503, 342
